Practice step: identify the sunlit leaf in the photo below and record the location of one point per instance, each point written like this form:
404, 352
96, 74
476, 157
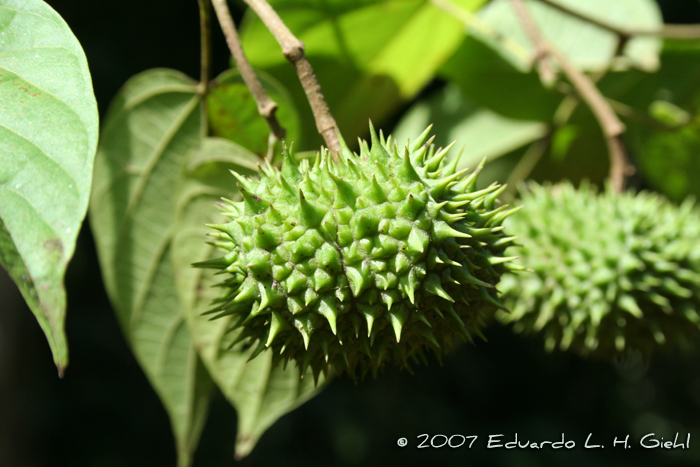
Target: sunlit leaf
480, 132
370, 56
491, 74
488, 80
587, 46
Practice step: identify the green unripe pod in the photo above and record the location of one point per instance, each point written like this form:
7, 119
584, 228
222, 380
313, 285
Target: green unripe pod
372, 259
613, 274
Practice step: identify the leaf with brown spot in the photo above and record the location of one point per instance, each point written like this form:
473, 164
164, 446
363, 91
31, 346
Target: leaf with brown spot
48, 137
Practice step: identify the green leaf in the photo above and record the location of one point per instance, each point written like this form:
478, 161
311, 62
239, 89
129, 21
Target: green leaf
48, 136
488, 80
150, 126
588, 47
260, 393
670, 159
578, 152
233, 113
481, 132
493, 66
675, 82
370, 56
667, 158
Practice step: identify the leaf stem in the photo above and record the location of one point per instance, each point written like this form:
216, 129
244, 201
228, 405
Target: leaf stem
669, 31
610, 124
293, 50
266, 106
205, 34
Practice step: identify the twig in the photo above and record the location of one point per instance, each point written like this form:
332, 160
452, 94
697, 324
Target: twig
205, 33
669, 31
611, 125
293, 50
547, 74
266, 106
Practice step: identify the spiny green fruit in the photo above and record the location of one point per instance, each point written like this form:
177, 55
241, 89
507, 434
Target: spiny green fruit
368, 260
613, 273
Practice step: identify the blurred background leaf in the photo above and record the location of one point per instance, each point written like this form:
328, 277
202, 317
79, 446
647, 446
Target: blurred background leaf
150, 126
260, 392
480, 131
493, 77
670, 159
486, 78
588, 47
660, 111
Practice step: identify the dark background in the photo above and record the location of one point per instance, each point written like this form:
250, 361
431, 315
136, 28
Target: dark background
104, 413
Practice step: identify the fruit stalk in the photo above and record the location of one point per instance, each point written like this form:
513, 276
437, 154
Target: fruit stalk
293, 50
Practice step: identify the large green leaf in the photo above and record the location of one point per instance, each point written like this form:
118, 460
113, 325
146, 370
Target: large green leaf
370, 56
233, 113
488, 80
670, 159
667, 158
496, 70
150, 126
587, 46
260, 392
48, 136
481, 132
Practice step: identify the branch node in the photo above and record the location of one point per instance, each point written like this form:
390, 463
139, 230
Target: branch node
293, 50
267, 109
